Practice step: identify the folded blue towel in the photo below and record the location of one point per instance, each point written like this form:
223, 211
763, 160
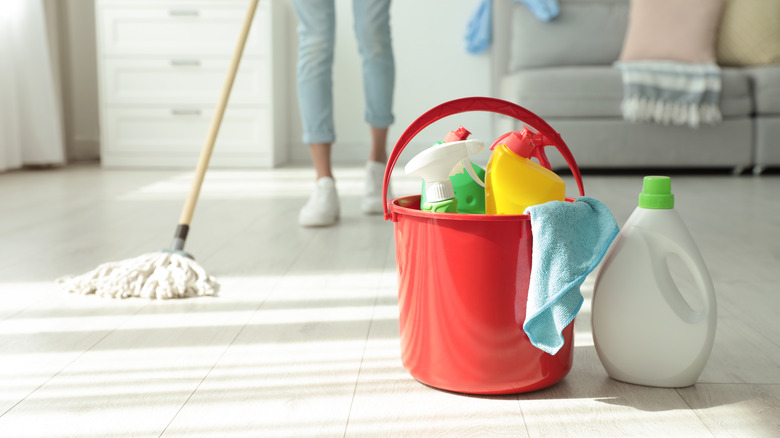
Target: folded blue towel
569, 241
480, 26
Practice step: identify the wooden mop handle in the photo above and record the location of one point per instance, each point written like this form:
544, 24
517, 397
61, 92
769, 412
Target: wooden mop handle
216, 121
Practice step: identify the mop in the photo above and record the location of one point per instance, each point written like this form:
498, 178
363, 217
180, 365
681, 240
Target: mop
168, 273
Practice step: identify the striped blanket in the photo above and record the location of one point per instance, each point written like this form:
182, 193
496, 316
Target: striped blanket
671, 92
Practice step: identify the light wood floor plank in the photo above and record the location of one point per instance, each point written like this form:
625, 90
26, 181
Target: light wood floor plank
587, 403
41, 341
736, 410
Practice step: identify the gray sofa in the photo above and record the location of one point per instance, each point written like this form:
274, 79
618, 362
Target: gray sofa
562, 70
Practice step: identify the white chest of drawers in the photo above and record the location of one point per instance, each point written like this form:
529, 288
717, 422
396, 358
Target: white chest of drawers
161, 67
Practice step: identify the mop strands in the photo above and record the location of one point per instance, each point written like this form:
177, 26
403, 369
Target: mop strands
165, 274
162, 275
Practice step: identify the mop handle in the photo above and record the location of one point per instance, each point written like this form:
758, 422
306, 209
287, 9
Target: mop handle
211, 138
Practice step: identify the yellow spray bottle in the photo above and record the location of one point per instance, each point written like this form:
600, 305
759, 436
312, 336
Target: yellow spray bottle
513, 181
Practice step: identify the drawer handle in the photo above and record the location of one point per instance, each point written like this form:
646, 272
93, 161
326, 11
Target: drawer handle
183, 12
185, 112
185, 62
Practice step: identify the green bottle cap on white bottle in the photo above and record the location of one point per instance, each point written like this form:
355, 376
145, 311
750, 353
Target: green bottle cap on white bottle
657, 193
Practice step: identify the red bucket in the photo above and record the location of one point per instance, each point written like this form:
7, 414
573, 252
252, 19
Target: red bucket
463, 282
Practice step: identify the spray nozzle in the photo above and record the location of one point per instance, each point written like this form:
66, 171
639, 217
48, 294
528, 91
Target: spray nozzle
437, 163
522, 142
461, 134
457, 135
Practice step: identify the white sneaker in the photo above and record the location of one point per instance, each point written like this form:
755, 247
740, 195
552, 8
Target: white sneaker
322, 208
373, 203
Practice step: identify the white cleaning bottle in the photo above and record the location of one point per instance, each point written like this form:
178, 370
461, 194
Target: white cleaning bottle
436, 164
644, 330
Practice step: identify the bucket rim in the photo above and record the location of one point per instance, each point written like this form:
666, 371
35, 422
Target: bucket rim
400, 207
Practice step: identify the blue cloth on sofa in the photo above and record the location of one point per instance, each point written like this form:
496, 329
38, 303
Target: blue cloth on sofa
479, 29
569, 241
480, 26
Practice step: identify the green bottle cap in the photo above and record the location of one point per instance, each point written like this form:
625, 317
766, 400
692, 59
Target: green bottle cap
657, 193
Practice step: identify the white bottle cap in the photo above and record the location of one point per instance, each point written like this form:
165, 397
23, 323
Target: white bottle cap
436, 191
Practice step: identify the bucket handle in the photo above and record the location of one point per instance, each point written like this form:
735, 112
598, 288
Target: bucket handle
487, 104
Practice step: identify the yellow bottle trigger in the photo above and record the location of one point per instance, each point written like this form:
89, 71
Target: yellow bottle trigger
515, 182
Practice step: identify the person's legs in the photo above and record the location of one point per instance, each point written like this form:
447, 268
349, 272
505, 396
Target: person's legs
316, 39
320, 156
378, 151
372, 30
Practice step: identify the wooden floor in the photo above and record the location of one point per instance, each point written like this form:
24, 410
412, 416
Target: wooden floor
303, 338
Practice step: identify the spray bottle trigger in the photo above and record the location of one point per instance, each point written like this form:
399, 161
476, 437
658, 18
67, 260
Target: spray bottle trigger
457, 168
466, 164
470, 169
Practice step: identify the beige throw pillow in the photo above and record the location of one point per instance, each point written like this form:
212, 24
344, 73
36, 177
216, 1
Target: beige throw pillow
674, 30
750, 33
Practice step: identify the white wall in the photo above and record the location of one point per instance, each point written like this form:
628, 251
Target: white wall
432, 67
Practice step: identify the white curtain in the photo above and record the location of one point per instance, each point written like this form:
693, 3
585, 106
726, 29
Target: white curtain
31, 127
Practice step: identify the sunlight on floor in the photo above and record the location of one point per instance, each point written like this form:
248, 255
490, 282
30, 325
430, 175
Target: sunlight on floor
330, 314
583, 339
195, 319
265, 184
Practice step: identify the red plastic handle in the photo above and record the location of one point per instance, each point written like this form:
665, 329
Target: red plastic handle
487, 104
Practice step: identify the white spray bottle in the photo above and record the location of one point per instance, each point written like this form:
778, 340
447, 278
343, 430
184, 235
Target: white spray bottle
437, 163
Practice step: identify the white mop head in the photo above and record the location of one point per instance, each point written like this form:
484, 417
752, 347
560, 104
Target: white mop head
161, 275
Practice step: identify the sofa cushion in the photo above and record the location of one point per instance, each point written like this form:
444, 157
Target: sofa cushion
597, 91
675, 30
750, 33
563, 41
766, 88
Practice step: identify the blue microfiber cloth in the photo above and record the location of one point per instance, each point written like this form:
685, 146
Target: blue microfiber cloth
480, 26
479, 29
569, 241
544, 10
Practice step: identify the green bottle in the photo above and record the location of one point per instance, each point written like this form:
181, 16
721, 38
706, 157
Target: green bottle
469, 194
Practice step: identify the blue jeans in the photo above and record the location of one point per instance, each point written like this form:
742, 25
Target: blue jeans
317, 36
